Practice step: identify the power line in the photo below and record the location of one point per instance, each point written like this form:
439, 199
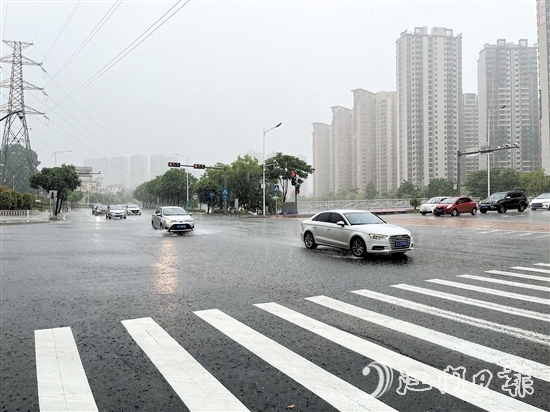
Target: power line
75, 8
123, 53
103, 20
40, 25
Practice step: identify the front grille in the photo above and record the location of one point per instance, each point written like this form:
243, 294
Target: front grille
394, 239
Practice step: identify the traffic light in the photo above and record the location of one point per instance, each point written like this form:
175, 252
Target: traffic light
293, 178
174, 164
199, 166
297, 190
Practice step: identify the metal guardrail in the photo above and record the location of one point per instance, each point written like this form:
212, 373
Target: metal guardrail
320, 205
23, 215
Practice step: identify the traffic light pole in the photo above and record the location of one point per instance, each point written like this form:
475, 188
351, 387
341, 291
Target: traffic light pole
487, 149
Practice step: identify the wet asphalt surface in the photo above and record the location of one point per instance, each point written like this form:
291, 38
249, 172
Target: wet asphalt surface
90, 273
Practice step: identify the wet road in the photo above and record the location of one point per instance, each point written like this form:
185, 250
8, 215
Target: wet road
165, 323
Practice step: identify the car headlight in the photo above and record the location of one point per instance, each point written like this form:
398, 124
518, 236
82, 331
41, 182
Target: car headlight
167, 221
448, 207
377, 236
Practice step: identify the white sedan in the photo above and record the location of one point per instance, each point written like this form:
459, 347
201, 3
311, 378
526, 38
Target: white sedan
360, 231
173, 219
542, 201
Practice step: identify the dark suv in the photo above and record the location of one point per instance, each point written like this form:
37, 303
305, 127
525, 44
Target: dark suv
503, 201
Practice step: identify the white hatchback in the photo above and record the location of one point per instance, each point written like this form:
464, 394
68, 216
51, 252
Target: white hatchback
430, 205
360, 231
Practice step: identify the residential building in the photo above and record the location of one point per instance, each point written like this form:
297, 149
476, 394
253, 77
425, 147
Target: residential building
159, 164
543, 25
119, 170
509, 110
363, 137
138, 170
429, 104
470, 141
384, 156
323, 177
342, 149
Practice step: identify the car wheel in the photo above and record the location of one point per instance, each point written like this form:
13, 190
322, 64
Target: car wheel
309, 241
521, 208
358, 247
110, 217
454, 212
153, 225
474, 211
533, 208
502, 209
124, 217
160, 227
423, 213
483, 211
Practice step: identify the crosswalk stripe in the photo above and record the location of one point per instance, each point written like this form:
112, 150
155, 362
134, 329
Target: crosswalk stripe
518, 275
467, 391
196, 387
468, 320
62, 382
531, 269
332, 389
489, 291
484, 233
542, 264
476, 302
525, 366
506, 282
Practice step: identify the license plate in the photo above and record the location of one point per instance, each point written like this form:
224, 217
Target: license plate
401, 243
180, 227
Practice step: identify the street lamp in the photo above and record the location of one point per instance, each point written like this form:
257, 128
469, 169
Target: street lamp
54, 154
187, 184
263, 161
489, 153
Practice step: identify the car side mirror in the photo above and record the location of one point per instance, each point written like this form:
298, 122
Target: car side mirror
190, 214
341, 223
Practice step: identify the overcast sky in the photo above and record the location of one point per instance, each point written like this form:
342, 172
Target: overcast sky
208, 81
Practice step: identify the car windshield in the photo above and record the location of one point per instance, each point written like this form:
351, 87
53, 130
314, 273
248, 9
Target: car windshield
543, 196
434, 200
449, 201
174, 211
362, 218
497, 196
133, 206
116, 207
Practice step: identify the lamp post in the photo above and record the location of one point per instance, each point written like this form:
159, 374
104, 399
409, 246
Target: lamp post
187, 184
489, 153
54, 154
263, 161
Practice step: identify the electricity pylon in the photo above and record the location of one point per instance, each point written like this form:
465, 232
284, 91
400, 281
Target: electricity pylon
16, 156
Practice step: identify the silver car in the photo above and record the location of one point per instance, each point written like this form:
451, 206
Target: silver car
360, 231
115, 211
173, 219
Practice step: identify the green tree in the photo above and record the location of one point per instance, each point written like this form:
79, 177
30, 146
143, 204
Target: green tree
6, 202
440, 187
64, 179
244, 181
18, 167
278, 170
407, 189
370, 191
535, 183
204, 187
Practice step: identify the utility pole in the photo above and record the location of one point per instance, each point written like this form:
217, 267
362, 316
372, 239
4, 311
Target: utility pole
15, 151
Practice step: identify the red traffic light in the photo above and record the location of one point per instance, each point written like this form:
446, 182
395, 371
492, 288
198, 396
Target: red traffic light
292, 174
297, 191
199, 166
174, 164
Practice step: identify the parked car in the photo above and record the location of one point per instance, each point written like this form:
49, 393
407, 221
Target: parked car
428, 207
115, 211
133, 209
99, 209
173, 219
360, 231
456, 205
542, 201
503, 201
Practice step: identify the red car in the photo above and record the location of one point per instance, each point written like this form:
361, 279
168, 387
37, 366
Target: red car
455, 206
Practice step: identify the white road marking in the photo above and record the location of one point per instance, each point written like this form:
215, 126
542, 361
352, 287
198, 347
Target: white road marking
462, 389
543, 264
468, 320
62, 382
506, 282
519, 275
483, 233
525, 366
524, 234
332, 389
531, 269
496, 292
196, 387
476, 302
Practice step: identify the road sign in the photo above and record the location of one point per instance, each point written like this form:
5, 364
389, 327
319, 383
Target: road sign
224, 198
225, 191
195, 197
211, 195
276, 189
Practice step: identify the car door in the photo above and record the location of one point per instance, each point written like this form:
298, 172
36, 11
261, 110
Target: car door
337, 235
463, 205
156, 218
319, 227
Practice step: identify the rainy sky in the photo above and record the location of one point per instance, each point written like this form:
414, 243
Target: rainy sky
204, 78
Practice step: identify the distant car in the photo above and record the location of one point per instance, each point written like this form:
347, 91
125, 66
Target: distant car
542, 201
503, 201
360, 231
115, 211
99, 210
428, 207
173, 219
456, 205
132, 209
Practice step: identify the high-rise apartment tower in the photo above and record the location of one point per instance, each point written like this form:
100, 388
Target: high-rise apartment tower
543, 25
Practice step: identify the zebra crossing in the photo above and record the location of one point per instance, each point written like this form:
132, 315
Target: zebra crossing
63, 385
